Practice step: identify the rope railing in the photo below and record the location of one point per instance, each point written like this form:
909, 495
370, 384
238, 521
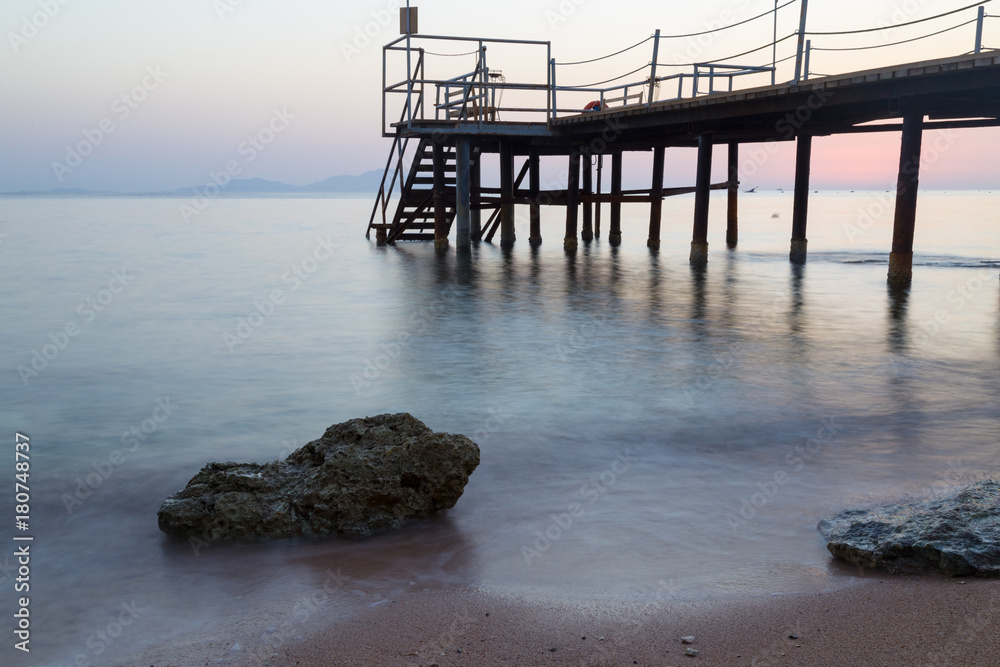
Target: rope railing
610, 55
727, 27
642, 83
903, 41
898, 25
733, 57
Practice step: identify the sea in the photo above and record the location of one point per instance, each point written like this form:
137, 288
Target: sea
648, 430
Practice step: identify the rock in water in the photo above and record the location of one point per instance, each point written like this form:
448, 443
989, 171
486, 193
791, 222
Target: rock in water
958, 535
362, 476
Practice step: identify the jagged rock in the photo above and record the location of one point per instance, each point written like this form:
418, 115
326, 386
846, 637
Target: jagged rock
362, 476
958, 535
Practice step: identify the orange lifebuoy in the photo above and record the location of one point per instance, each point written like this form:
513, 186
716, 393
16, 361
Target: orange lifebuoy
596, 105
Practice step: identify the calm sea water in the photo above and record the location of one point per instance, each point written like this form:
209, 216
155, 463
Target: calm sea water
645, 430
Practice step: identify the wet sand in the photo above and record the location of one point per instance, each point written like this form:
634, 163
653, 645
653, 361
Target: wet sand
877, 620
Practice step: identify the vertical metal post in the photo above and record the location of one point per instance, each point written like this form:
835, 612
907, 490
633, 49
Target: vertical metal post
703, 188
463, 195
801, 44
572, 201
732, 213
549, 83
901, 257
800, 208
615, 235
552, 77
409, 72
656, 199
440, 206
384, 83
979, 28
652, 73
587, 233
774, 47
506, 194
534, 178
483, 76
805, 74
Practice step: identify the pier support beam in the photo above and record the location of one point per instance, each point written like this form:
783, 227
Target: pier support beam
800, 208
597, 207
440, 205
587, 233
475, 192
506, 195
534, 185
615, 235
732, 215
572, 201
463, 195
703, 183
656, 203
901, 258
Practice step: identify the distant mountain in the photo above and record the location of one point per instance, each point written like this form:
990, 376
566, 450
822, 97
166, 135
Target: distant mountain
366, 182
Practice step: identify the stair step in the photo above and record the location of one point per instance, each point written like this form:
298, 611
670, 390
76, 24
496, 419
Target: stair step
426, 180
415, 237
448, 168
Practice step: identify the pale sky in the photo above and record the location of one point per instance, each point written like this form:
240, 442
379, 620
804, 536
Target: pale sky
182, 85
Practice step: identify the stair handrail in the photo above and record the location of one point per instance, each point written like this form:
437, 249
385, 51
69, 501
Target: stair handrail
383, 198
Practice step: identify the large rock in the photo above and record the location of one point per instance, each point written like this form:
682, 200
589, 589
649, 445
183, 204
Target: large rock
958, 535
362, 476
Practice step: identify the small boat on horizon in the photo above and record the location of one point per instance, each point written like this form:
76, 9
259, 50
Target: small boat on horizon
752, 190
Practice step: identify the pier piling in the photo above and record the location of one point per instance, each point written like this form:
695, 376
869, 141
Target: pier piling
440, 205
656, 199
732, 214
800, 207
615, 235
463, 194
507, 236
587, 233
572, 201
598, 206
475, 194
703, 183
901, 257
535, 209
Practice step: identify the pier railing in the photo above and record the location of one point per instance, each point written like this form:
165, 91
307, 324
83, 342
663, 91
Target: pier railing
539, 93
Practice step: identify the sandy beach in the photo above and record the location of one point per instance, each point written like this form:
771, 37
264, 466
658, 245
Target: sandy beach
874, 620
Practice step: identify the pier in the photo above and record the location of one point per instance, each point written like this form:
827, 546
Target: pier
442, 126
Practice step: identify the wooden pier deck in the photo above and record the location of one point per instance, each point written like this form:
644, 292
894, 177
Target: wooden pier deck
442, 185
